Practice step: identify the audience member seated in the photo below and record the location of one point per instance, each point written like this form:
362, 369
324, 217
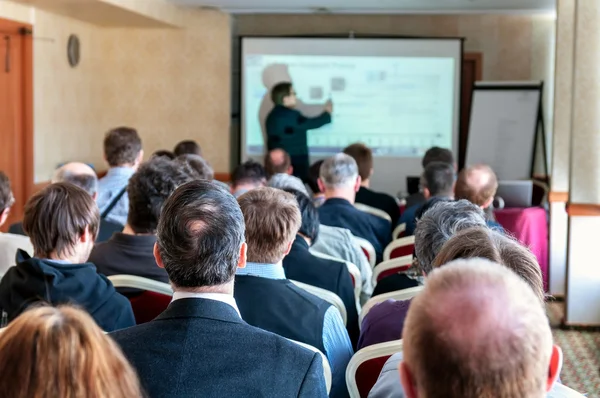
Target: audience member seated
199, 167
478, 184
434, 154
246, 176
187, 147
9, 243
84, 177
268, 300
333, 241
164, 153
62, 222
278, 161
340, 181
131, 252
313, 183
199, 346
302, 266
476, 330
437, 180
379, 200
123, 153
60, 352
436, 226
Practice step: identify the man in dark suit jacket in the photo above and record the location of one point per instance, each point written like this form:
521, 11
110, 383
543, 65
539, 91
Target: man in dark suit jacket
363, 156
199, 346
340, 181
286, 127
433, 154
302, 266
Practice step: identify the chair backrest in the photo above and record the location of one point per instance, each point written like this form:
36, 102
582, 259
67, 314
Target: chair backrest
404, 294
365, 366
399, 248
390, 267
352, 269
367, 248
149, 304
399, 231
326, 366
326, 295
374, 211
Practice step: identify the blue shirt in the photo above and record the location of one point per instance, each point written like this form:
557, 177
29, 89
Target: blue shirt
338, 348
110, 186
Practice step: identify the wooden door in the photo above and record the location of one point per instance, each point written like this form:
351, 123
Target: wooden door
471, 72
16, 158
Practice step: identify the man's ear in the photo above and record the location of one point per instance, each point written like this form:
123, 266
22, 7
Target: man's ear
426, 193
157, 256
288, 248
488, 203
407, 380
357, 184
321, 185
554, 368
290, 170
243, 255
140, 158
95, 196
87, 236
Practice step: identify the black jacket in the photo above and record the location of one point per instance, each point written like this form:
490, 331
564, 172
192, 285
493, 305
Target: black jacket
286, 129
33, 280
202, 348
379, 200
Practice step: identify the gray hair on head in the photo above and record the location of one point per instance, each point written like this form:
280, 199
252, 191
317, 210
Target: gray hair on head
339, 171
437, 226
87, 182
285, 181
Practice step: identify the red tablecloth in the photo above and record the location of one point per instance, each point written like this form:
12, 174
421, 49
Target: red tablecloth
530, 227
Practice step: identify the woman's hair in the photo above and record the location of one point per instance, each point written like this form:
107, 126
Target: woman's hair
61, 352
495, 246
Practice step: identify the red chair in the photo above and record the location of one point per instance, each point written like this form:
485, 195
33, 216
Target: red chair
399, 248
367, 248
399, 231
365, 366
390, 267
148, 305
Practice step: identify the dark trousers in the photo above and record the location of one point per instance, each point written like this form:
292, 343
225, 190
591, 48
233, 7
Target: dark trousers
301, 164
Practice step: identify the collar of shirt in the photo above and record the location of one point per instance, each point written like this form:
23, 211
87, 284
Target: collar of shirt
338, 201
120, 172
222, 297
271, 271
58, 261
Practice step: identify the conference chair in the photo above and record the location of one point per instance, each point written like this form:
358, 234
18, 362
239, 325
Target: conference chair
326, 366
399, 248
354, 274
367, 248
400, 295
326, 295
154, 299
365, 366
389, 267
399, 231
373, 211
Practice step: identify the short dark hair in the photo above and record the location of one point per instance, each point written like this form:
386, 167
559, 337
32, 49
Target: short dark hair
280, 91
122, 146
439, 178
248, 172
437, 154
163, 153
310, 216
313, 176
272, 168
148, 188
6, 196
187, 147
197, 165
200, 232
57, 216
363, 156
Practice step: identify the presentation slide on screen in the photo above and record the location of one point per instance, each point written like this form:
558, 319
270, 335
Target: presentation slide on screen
398, 105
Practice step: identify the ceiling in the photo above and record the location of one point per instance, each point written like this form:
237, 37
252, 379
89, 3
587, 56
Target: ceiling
374, 6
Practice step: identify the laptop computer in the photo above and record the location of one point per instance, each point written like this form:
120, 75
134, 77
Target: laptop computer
515, 193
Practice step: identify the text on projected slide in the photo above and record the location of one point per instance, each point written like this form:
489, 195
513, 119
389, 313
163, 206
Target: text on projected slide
399, 106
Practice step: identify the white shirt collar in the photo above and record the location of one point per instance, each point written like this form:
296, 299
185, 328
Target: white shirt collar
222, 297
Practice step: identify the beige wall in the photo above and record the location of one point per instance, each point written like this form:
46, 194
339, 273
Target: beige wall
171, 84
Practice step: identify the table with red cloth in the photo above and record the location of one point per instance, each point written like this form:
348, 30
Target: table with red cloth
530, 227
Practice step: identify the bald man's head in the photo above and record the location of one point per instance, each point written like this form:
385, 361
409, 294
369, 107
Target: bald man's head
477, 184
278, 161
79, 174
476, 331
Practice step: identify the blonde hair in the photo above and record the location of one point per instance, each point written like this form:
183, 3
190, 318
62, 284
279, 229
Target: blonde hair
473, 333
272, 220
61, 352
486, 243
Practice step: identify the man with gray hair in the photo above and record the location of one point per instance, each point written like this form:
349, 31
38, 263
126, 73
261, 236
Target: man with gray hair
339, 180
